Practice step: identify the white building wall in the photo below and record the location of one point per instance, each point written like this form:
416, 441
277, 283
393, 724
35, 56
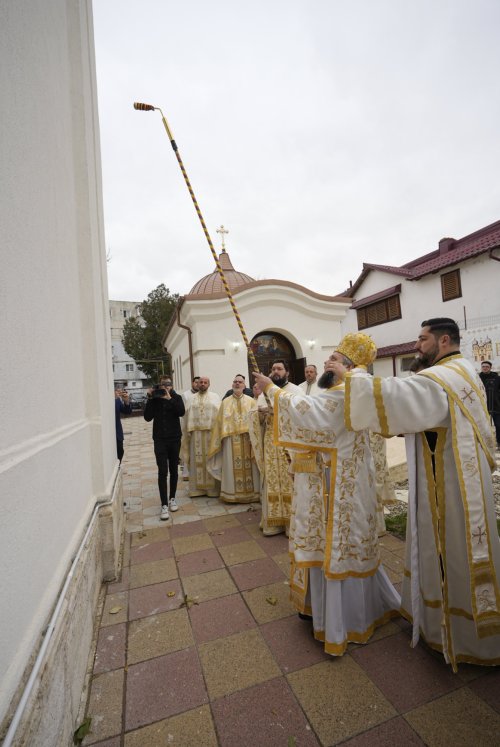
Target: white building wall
57, 441
477, 311
312, 325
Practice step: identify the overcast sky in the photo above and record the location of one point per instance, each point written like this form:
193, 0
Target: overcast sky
321, 133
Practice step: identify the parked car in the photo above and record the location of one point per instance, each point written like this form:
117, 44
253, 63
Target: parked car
137, 400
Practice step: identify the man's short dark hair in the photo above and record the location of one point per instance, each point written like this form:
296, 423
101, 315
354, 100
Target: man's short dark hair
280, 360
195, 378
240, 375
488, 362
442, 325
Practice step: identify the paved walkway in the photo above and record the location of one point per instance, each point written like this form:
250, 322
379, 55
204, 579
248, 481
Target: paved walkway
198, 645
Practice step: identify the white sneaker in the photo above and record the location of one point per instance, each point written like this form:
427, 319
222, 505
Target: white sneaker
172, 504
164, 515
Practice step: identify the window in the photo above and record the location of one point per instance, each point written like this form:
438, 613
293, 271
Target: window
129, 367
125, 313
450, 285
380, 312
406, 362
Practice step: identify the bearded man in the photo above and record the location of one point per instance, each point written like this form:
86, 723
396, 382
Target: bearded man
336, 571
273, 461
310, 385
451, 587
230, 453
197, 424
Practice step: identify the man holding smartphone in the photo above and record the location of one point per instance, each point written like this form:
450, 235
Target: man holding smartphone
165, 408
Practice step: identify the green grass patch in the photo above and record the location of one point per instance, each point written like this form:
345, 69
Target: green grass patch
396, 525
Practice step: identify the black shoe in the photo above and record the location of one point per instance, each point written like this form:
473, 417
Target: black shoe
303, 616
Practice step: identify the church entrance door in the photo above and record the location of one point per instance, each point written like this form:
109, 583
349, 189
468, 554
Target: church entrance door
268, 346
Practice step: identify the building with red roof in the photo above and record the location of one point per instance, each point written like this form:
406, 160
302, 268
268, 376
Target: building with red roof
460, 279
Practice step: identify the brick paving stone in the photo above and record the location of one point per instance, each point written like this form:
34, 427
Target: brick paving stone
229, 536
209, 585
188, 529
162, 687
487, 687
241, 552
291, 641
266, 715
115, 608
256, 573
110, 651
199, 562
105, 706
220, 617
147, 536
249, 517
274, 545
392, 733
153, 572
339, 699
160, 634
221, 522
460, 719
149, 600
151, 551
191, 729
408, 677
236, 662
191, 543
121, 584
269, 602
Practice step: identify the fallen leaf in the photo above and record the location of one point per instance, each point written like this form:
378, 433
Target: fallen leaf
114, 610
291, 742
82, 731
143, 534
170, 593
272, 600
188, 602
251, 508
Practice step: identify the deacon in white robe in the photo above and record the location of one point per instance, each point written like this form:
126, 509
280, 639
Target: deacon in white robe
273, 461
451, 586
197, 423
230, 453
347, 589
310, 385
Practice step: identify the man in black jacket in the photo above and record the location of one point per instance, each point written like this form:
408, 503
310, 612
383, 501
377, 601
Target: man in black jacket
165, 408
491, 381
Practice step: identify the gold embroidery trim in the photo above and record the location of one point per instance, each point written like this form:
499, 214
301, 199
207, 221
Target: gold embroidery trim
379, 405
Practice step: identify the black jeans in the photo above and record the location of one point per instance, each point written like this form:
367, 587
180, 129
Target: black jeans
167, 458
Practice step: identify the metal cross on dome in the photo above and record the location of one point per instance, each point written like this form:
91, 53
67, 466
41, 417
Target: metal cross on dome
222, 231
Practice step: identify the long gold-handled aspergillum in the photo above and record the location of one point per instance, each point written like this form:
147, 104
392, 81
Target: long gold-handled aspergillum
149, 108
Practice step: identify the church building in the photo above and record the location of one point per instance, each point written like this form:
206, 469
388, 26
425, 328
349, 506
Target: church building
281, 320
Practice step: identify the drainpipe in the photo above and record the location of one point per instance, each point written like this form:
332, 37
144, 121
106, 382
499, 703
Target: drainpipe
394, 365
190, 339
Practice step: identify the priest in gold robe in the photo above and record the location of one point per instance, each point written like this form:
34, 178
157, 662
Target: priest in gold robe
199, 419
273, 461
230, 453
451, 587
336, 568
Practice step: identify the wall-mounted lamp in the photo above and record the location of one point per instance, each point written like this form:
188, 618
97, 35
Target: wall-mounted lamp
311, 343
236, 346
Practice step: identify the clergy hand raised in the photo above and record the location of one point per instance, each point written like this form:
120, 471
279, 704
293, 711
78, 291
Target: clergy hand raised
337, 368
261, 380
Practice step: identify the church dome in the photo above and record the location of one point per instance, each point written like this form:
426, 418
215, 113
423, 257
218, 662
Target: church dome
212, 284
